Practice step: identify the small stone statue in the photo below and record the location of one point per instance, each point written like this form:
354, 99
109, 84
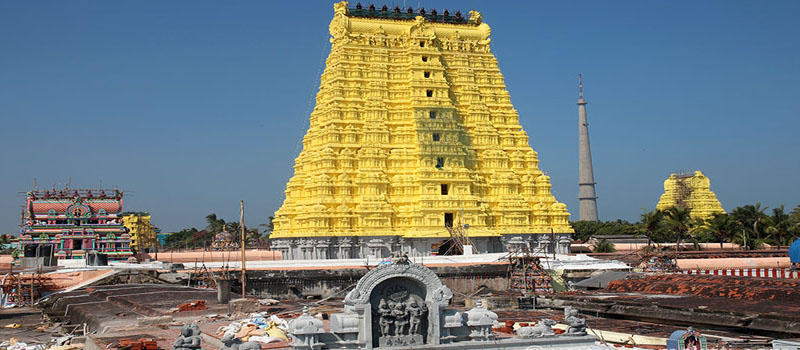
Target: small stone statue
189, 338
385, 313
577, 325
415, 313
399, 312
230, 342
543, 328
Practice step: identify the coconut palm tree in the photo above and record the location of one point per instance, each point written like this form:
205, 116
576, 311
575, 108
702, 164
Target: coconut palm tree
720, 226
750, 217
679, 220
778, 225
215, 225
603, 246
651, 222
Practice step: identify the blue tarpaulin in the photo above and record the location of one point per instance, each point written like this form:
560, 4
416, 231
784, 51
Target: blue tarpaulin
794, 251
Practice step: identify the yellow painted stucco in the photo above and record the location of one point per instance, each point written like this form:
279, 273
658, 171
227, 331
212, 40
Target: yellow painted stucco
141, 230
692, 192
404, 107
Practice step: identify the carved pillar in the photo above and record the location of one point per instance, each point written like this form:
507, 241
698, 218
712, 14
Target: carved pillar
322, 248
564, 243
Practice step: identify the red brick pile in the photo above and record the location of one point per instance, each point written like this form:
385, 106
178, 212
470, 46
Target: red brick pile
193, 305
730, 287
138, 344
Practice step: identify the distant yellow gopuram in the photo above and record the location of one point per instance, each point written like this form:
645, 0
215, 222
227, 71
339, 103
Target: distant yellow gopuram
413, 132
692, 192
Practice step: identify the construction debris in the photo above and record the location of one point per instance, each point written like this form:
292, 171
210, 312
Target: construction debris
192, 306
258, 327
137, 344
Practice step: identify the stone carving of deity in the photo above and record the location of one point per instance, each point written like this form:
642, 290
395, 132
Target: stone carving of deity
415, 312
400, 315
385, 313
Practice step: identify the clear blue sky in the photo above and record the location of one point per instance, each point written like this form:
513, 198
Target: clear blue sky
194, 105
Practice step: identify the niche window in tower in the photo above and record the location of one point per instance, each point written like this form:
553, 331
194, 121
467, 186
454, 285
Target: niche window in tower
426, 74
448, 219
424, 58
439, 163
436, 136
445, 190
432, 114
421, 44
429, 93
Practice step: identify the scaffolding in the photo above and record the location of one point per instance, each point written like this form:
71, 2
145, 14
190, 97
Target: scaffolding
458, 240
683, 189
526, 273
23, 289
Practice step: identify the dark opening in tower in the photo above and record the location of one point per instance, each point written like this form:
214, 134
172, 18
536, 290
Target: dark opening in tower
448, 219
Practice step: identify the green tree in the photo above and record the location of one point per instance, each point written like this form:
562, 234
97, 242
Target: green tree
651, 222
182, 238
749, 218
719, 227
215, 225
269, 227
778, 225
679, 221
603, 246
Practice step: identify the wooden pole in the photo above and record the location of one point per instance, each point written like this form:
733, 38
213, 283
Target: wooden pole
244, 268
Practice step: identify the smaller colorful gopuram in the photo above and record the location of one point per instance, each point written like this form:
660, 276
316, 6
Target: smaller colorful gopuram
692, 192
75, 222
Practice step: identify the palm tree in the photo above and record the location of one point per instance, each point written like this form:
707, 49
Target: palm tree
680, 221
778, 224
719, 226
749, 216
603, 246
215, 225
651, 222
234, 228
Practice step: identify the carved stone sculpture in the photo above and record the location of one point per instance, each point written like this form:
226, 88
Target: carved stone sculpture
230, 342
402, 310
386, 318
189, 339
405, 305
577, 325
400, 318
543, 328
415, 312
480, 322
305, 331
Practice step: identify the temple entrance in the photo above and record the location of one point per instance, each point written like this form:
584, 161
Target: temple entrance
77, 244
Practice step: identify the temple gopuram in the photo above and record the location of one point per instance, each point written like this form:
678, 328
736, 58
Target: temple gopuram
413, 137
75, 222
691, 192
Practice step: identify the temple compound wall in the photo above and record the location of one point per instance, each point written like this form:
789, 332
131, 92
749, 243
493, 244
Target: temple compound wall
414, 137
691, 192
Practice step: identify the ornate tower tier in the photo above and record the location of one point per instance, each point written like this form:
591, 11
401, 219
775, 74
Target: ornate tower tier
414, 132
692, 192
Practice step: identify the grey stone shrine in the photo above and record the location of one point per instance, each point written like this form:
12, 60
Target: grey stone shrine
402, 305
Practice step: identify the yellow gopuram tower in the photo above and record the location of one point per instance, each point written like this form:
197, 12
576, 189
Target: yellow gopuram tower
692, 192
414, 133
